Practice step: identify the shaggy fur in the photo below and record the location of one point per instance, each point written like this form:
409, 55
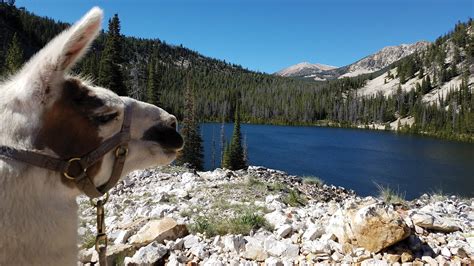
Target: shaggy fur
44, 109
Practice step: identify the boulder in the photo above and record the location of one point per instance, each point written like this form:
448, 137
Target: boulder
159, 230
147, 255
434, 222
378, 226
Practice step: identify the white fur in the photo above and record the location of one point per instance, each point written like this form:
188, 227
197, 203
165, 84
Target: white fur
38, 213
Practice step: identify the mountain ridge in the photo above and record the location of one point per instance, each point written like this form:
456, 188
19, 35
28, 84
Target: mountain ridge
366, 65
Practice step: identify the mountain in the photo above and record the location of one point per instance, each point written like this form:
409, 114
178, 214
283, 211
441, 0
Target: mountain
443, 62
383, 58
304, 69
429, 91
368, 64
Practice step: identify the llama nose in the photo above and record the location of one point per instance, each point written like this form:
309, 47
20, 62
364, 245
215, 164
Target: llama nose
165, 134
173, 122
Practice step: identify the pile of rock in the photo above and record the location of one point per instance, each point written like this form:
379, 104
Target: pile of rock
151, 213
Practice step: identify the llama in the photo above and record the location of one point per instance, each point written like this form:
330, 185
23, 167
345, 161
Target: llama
46, 110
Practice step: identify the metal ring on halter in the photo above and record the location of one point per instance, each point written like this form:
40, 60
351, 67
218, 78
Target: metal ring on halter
121, 151
68, 176
104, 200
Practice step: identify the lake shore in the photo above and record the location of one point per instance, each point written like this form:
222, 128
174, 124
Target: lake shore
389, 127
177, 216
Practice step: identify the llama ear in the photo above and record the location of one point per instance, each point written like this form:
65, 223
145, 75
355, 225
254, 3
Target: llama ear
61, 53
79, 37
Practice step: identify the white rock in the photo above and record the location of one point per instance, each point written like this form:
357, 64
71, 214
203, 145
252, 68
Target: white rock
199, 250
326, 237
284, 230
180, 193
273, 262
337, 257
217, 241
122, 237
429, 260
470, 240
270, 198
147, 255
374, 262
233, 243
162, 210
274, 247
254, 249
190, 241
316, 247
187, 177
292, 250
313, 232
446, 253
276, 218
434, 222
212, 262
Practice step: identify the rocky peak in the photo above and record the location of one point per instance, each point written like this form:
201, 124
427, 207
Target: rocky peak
383, 58
303, 69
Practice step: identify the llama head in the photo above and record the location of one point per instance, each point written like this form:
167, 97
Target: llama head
75, 117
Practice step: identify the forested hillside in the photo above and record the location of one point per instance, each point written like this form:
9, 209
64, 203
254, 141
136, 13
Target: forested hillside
159, 73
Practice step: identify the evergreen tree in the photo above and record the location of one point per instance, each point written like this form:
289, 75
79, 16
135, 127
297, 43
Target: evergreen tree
152, 81
14, 58
110, 70
192, 152
234, 157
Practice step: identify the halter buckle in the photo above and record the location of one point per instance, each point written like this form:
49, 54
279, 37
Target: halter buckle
67, 175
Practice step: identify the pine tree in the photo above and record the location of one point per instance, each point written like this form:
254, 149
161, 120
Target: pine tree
151, 86
14, 58
192, 152
110, 70
234, 157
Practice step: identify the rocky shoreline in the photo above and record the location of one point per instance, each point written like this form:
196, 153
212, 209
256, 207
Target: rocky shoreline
260, 216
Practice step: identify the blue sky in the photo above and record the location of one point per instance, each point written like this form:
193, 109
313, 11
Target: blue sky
269, 35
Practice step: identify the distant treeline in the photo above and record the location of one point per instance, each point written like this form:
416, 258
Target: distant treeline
157, 72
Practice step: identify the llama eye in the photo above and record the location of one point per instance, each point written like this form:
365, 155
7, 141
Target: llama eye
104, 119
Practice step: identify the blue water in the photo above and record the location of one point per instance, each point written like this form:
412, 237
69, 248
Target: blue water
355, 159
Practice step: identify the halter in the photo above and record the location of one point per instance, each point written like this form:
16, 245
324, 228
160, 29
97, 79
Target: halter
119, 142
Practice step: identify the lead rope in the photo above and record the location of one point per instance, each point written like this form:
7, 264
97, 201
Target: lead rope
101, 237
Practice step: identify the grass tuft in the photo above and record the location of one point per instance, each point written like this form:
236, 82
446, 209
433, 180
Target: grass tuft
89, 241
389, 195
242, 224
313, 180
294, 199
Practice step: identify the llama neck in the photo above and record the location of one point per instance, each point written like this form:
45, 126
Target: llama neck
39, 218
